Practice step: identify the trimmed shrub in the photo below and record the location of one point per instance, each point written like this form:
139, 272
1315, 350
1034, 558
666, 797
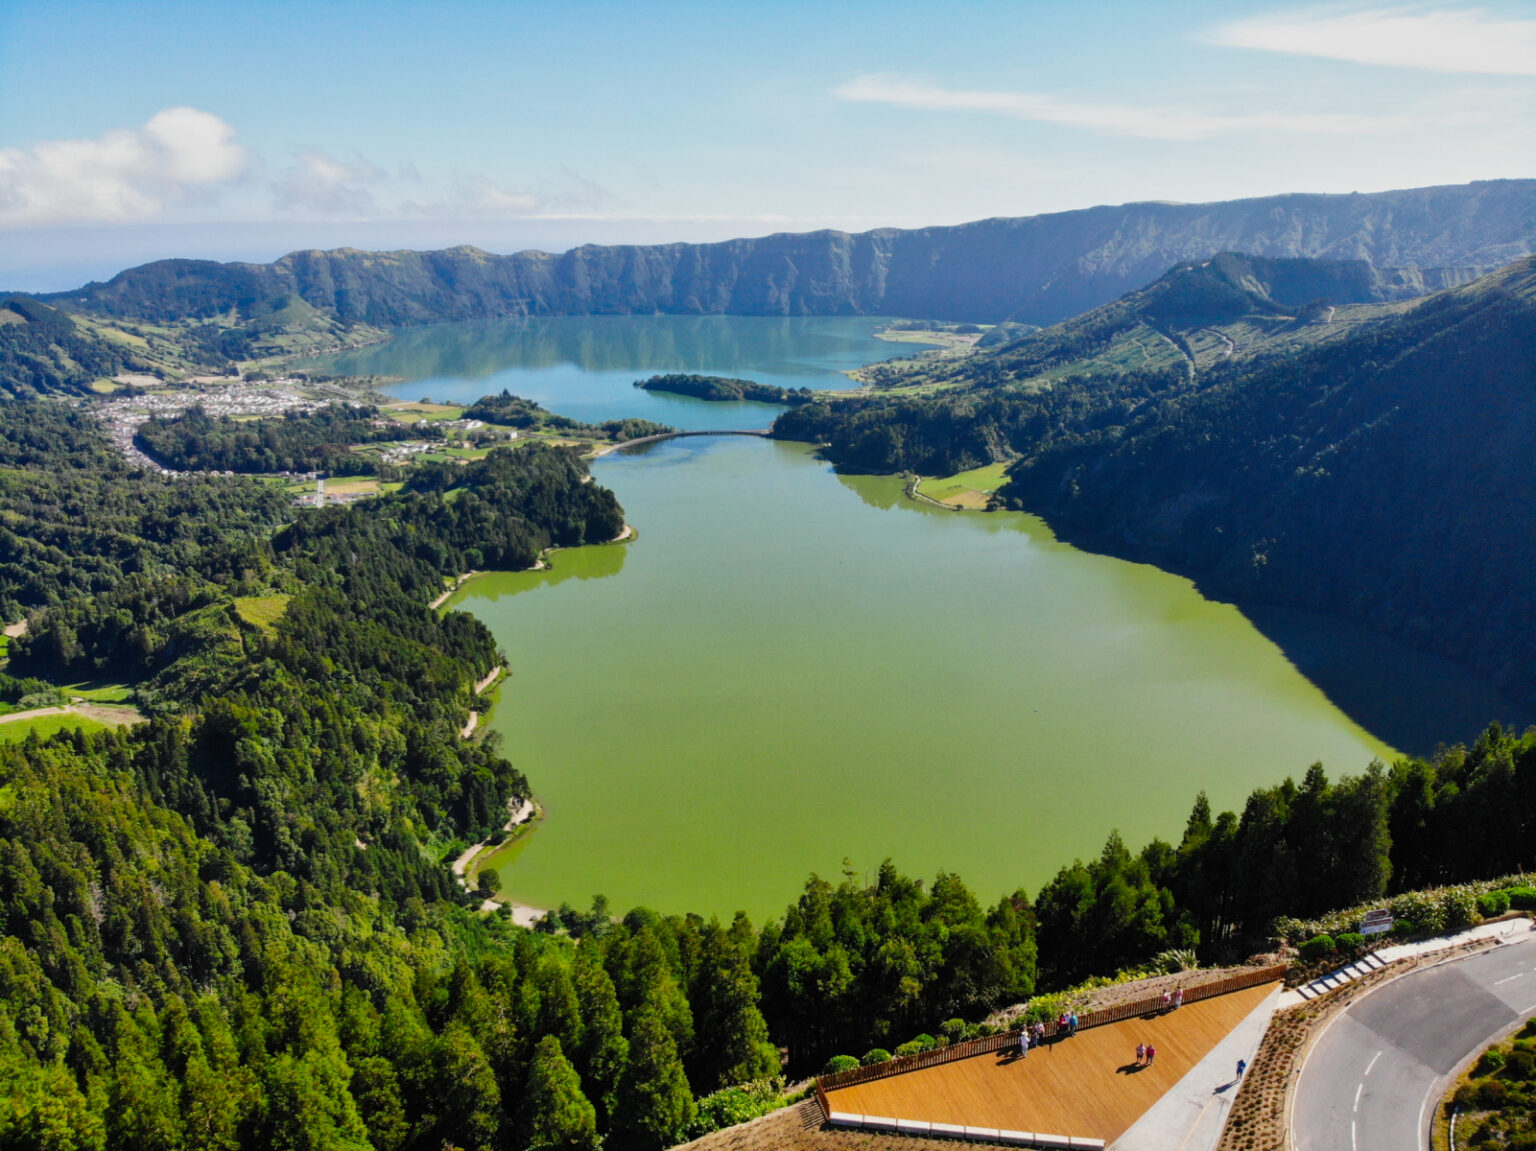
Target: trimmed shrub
1459, 908
1491, 1062
1426, 912
875, 1055
839, 1063
916, 1046
1522, 898
1317, 947
1403, 927
1492, 904
1350, 941
1491, 1093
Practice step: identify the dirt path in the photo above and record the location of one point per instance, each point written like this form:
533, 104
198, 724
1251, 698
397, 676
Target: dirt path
469, 728
914, 494
523, 914
16, 629
488, 680
1224, 338
110, 714
457, 584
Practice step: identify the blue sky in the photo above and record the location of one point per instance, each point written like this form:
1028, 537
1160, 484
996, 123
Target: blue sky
130, 131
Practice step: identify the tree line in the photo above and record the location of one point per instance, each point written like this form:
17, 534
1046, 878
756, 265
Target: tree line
232, 926
320, 440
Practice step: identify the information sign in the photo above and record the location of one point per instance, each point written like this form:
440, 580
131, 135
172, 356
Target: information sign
1376, 922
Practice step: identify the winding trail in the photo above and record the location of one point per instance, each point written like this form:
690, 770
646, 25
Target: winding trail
523, 914
914, 494
457, 584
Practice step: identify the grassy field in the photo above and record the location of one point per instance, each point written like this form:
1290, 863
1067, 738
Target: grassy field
46, 725
93, 692
408, 412
965, 489
353, 486
262, 610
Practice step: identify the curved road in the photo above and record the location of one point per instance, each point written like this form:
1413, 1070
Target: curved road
1374, 1077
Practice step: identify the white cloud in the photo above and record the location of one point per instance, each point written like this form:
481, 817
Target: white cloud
181, 154
319, 183
1112, 119
476, 197
1434, 40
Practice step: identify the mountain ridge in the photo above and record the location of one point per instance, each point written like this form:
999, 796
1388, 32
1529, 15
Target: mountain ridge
1032, 269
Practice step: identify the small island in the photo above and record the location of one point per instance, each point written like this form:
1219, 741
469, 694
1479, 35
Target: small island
725, 388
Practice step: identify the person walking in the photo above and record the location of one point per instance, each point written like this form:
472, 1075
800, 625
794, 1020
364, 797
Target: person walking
1141, 1053
1151, 1054
1242, 1065
1166, 1001
1178, 998
1024, 1042
1072, 1023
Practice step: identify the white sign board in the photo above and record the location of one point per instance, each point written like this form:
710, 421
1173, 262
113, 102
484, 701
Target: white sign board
1376, 922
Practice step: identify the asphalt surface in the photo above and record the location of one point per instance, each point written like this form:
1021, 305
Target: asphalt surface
1374, 1077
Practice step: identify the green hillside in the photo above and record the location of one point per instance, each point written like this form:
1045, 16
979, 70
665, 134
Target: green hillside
1347, 458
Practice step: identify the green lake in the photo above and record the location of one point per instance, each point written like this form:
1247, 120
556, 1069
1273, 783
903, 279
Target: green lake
789, 668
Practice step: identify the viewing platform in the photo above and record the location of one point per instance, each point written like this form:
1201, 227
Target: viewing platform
1080, 1091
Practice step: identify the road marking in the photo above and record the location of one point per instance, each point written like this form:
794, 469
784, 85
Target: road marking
1357, 1095
1372, 1063
1513, 977
1352, 1135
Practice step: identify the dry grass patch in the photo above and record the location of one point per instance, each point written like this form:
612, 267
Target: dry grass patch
262, 611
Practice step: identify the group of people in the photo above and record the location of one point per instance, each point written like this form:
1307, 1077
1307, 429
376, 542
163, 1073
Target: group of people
1145, 1054
1033, 1034
1174, 1000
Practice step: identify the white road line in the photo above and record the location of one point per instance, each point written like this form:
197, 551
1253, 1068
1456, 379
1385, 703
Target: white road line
1372, 1063
1357, 1095
1511, 979
1352, 1134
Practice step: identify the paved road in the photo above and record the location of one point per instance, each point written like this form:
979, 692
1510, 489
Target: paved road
1374, 1077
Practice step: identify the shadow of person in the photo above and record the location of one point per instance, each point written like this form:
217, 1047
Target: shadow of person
1222, 1087
1129, 1068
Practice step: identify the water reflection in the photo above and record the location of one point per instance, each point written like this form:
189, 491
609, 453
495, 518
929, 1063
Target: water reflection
787, 346
1410, 698
588, 563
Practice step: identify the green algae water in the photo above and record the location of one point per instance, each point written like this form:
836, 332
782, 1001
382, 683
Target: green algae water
789, 668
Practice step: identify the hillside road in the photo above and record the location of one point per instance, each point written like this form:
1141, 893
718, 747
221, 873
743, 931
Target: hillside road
1374, 1077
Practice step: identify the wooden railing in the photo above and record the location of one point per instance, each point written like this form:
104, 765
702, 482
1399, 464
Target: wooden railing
1006, 1039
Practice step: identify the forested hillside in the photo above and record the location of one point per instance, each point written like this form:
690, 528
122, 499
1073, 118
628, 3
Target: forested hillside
42, 350
1034, 269
233, 926
1379, 467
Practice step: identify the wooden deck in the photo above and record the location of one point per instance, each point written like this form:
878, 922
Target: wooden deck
1087, 1085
